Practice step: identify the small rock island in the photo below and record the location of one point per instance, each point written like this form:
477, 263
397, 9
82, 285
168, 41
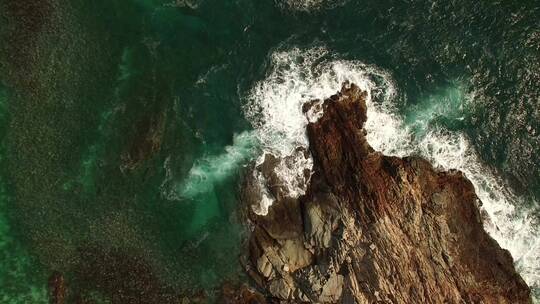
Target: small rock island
373, 228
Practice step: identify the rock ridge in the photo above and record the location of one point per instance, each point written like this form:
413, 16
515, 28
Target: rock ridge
374, 228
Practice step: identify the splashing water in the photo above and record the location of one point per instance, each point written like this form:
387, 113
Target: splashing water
210, 170
274, 106
297, 76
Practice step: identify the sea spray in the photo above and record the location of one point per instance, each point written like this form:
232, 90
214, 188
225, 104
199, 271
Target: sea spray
209, 170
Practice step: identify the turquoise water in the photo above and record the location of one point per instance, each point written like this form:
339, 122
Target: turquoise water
126, 125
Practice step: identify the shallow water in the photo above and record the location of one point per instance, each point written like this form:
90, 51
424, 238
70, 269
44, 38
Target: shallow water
126, 125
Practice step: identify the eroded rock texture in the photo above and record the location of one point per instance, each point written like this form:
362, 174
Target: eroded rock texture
376, 229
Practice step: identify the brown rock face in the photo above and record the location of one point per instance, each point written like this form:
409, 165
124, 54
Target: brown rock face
377, 229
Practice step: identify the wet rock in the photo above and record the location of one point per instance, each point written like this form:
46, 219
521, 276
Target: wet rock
373, 228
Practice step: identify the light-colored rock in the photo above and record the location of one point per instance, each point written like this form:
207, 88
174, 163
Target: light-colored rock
295, 255
332, 290
264, 266
320, 221
280, 289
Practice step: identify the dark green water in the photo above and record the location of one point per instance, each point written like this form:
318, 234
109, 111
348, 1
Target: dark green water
124, 132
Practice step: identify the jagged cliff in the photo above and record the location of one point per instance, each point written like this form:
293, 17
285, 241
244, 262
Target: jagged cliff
373, 228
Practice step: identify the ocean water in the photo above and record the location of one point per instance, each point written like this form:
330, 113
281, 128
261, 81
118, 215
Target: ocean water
127, 124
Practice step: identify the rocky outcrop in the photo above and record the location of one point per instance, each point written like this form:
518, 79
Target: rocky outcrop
375, 229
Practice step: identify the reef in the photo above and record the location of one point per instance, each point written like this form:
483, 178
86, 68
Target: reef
373, 228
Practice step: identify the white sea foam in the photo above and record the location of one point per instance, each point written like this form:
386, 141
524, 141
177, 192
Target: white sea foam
266, 197
275, 104
211, 169
298, 76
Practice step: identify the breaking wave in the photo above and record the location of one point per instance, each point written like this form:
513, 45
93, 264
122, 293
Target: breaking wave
274, 105
210, 170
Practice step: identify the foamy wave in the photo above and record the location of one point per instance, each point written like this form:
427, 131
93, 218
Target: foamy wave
275, 104
212, 169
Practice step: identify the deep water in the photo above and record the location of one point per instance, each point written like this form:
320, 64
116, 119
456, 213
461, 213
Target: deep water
127, 125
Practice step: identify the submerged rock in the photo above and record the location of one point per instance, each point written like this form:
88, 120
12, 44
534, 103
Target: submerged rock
373, 228
57, 288
146, 142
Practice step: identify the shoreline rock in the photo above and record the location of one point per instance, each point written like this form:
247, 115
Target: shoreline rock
373, 228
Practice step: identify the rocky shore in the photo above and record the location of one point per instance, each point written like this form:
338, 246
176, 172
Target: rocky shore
373, 228
370, 229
